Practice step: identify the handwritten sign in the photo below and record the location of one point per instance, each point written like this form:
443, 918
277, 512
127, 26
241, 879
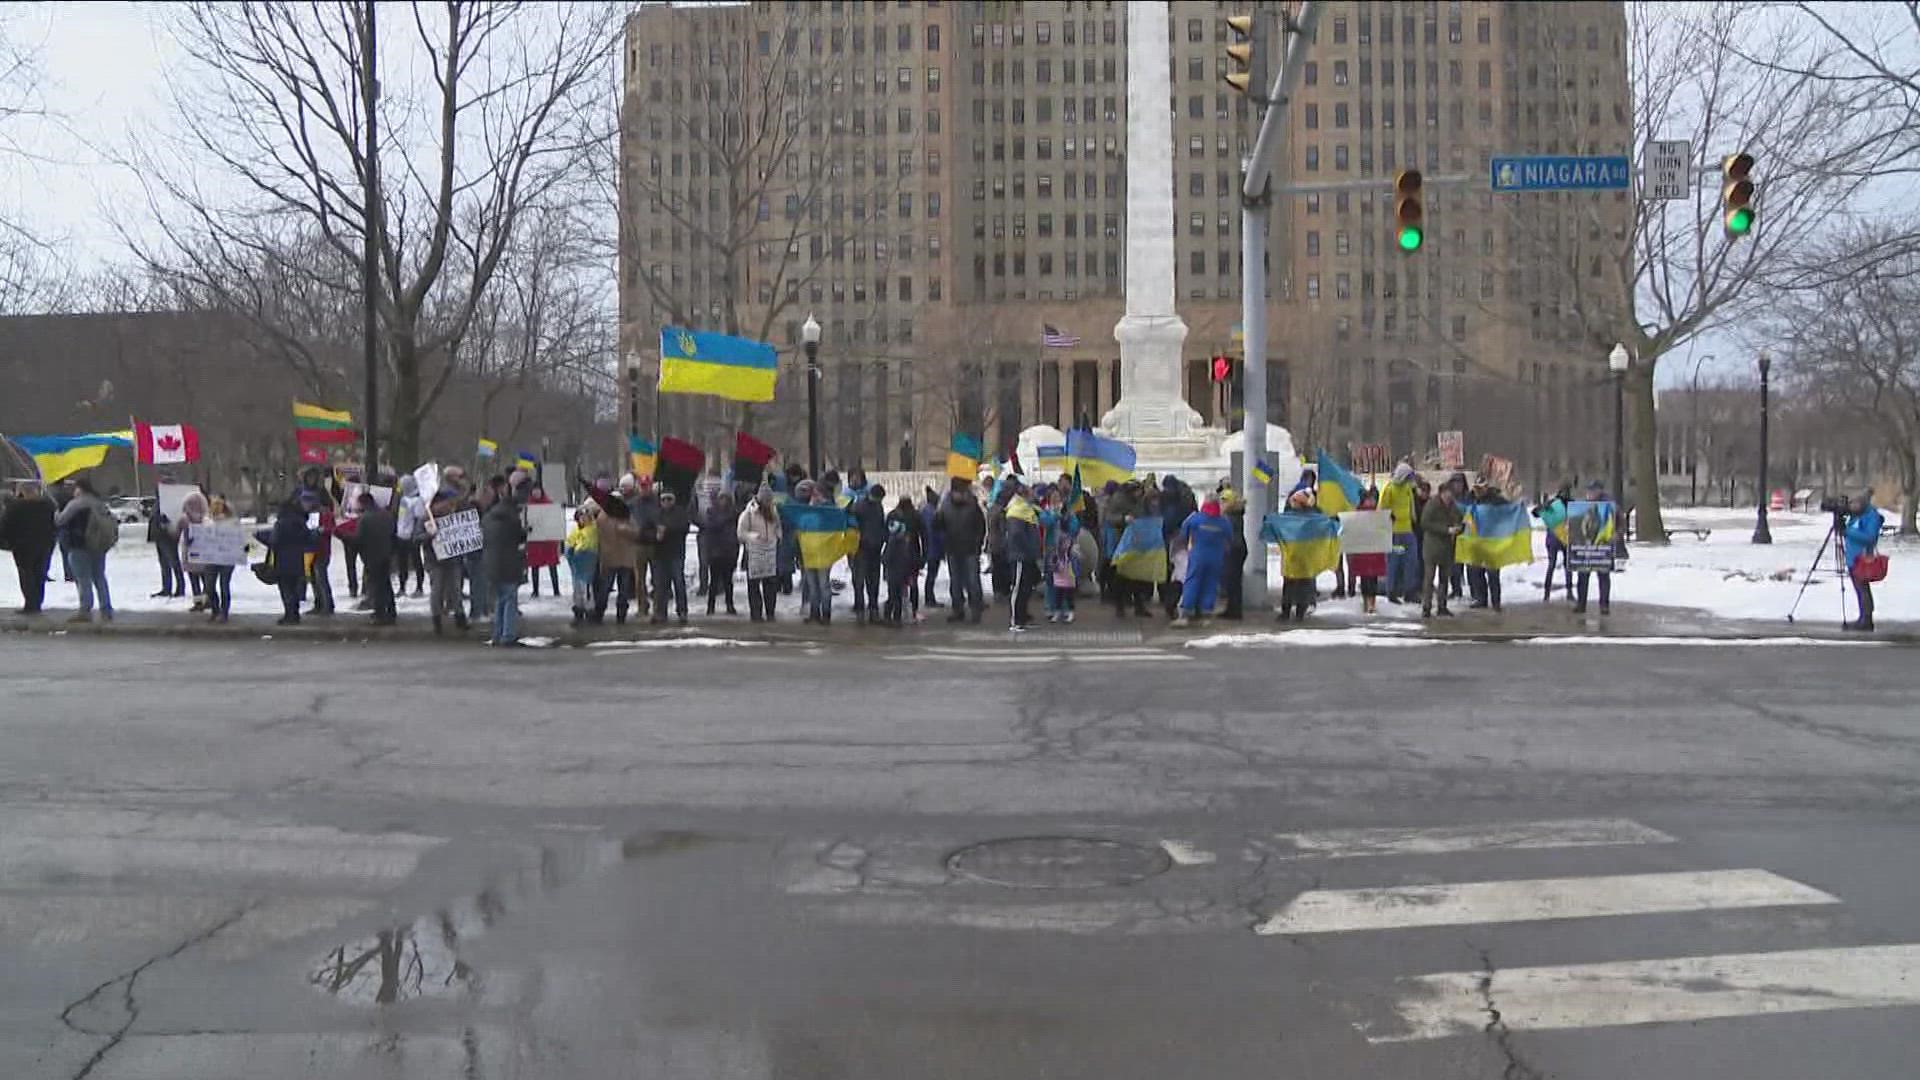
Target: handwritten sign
1453, 450
458, 534
216, 543
546, 521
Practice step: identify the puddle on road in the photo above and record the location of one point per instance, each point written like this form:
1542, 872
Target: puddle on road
421, 958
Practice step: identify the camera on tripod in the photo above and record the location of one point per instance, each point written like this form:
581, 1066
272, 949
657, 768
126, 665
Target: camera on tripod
1836, 504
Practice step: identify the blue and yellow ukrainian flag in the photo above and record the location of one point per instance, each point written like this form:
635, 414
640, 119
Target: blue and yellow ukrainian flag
525, 460
60, 456
1598, 517
1495, 536
1099, 459
1262, 472
1141, 552
1309, 542
696, 362
825, 534
1052, 460
963, 460
643, 457
487, 448
1340, 490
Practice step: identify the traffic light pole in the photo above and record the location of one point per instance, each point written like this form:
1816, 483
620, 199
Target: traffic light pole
1255, 204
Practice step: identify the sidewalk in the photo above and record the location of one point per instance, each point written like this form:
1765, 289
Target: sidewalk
1095, 626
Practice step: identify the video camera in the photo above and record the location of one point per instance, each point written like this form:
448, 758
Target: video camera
1837, 505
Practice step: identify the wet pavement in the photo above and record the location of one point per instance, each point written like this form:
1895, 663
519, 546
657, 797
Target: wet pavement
269, 859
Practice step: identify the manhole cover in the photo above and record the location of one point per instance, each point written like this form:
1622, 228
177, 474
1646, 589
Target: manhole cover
1058, 862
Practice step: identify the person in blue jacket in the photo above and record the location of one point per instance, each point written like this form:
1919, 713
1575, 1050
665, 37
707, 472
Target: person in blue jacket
1862, 538
290, 540
1207, 535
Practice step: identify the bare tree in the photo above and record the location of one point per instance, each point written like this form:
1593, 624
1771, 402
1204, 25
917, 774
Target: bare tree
483, 116
32, 276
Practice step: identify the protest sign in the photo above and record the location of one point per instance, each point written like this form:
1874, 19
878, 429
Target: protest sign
382, 496
546, 521
1590, 535
171, 496
426, 480
1453, 449
216, 543
1366, 538
458, 534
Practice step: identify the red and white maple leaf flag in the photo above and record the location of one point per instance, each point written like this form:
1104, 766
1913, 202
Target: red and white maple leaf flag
165, 444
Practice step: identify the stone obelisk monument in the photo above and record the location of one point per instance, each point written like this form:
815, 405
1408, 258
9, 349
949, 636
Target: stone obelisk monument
1152, 412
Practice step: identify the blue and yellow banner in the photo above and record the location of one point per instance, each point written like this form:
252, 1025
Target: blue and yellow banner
486, 448
1262, 472
525, 460
825, 534
1141, 552
1340, 490
1589, 532
1097, 459
697, 362
643, 457
963, 460
1052, 460
60, 456
1309, 542
1495, 536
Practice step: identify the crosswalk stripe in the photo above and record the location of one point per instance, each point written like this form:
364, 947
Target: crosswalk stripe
1454, 839
1330, 911
1048, 657
1680, 989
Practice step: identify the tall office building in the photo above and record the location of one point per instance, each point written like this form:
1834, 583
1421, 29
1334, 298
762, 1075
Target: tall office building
938, 182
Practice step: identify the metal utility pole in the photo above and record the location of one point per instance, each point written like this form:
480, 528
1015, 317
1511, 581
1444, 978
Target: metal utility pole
1761, 533
370, 266
1256, 202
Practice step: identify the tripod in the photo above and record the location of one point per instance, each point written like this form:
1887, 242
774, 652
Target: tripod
1839, 569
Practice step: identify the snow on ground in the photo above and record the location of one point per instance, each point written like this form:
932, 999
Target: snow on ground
1311, 638
1796, 642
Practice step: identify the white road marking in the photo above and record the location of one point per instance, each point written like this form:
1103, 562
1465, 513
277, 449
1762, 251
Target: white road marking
1185, 853
1331, 911
1044, 655
1675, 990
1453, 839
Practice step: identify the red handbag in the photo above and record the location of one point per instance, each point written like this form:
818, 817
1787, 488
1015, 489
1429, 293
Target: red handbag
1867, 569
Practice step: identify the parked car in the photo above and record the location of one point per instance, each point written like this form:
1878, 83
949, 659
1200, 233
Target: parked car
128, 510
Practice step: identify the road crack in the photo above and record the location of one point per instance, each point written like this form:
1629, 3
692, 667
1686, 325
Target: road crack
129, 1005
1517, 1068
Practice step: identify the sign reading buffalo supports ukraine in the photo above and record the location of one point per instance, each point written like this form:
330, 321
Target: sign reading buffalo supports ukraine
1590, 534
697, 362
456, 535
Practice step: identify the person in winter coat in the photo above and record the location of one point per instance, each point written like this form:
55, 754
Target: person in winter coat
1233, 574
1021, 549
374, 536
542, 554
936, 547
165, 538
1552, 513
583, 561
1297, 589
289, 539
315, 496
1403, 563
761, 533
643, 503
618, 535
27, 530
1177, 504
1059, 532
1440, 524
193, 511
1207, 537
669, 557
1597, 492
870, 519
1000, 572
504, 531
89, 564
1861, 535
409, 527
902, 555
1483, 582
962, 528
1367, 567
720, 548
449, 574
219, 579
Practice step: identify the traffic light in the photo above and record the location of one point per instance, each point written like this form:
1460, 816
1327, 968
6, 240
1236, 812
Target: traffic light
1222, 369
1408, 217
1240, 54
1736, 195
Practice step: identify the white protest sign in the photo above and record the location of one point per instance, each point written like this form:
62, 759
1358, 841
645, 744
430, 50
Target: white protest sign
216, 543
171, 496
350, 497
1366, 532
553, 480
426, 480
546, 521
382, 496
459, 534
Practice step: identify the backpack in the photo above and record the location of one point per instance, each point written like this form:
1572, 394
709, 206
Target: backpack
102, 531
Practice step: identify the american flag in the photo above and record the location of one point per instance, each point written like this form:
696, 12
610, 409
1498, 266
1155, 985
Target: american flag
1052, 338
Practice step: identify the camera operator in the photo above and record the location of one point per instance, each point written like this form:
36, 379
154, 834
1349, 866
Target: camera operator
1861, 532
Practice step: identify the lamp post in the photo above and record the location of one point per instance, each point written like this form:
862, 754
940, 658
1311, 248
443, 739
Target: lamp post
633, 395
1761, 534
810, 336
1693, 435
1617, 362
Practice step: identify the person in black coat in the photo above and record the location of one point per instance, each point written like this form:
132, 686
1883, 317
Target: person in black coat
903, 553
26, 528
870, 518
668, 564
720, 549
375, 539
290, 540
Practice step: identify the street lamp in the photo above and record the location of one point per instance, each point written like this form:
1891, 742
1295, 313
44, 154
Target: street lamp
633, 395
1761, 534
1617, 362
810, 336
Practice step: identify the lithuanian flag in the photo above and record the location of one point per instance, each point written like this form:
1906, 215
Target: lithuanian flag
1309, 542
1495, 536
696, 362
322, 425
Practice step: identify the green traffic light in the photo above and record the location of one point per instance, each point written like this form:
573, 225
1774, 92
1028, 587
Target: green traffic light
1740, 221
1411, 238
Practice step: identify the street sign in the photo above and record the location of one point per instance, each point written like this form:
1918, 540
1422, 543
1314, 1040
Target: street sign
1668, 166
1561, 173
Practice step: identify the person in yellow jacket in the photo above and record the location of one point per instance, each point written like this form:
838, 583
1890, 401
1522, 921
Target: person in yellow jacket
1403, 563
583, 561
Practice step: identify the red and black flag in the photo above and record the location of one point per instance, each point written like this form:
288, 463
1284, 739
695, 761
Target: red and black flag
679, 468
750, 458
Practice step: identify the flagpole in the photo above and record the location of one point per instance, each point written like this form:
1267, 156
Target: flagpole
26, 462
134, 426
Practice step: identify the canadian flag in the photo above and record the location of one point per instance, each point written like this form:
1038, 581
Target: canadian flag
165, 444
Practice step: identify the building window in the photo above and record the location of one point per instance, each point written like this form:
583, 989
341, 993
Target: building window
1340, 158
1340, 117
933, 38
1312, 116
1045, 183
1311, 76
1341, 245
1483, 31
1196, 146
1339, 73
933, 204
1340, 31
1313, 244
1343, 286
1313, 286
1313, 158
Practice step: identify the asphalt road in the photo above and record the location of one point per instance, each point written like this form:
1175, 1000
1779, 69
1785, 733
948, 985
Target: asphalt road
270, 860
